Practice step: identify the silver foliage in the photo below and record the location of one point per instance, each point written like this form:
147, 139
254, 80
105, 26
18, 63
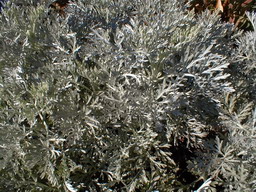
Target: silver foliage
125, 96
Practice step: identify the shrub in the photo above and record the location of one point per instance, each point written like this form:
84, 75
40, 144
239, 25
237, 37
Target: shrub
124, 96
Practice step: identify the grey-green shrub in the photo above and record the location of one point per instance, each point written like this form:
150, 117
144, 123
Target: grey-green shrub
124, 96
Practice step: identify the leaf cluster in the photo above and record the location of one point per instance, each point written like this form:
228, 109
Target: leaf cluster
125, 96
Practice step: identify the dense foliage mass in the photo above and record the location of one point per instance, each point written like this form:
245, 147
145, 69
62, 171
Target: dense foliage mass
139, 95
